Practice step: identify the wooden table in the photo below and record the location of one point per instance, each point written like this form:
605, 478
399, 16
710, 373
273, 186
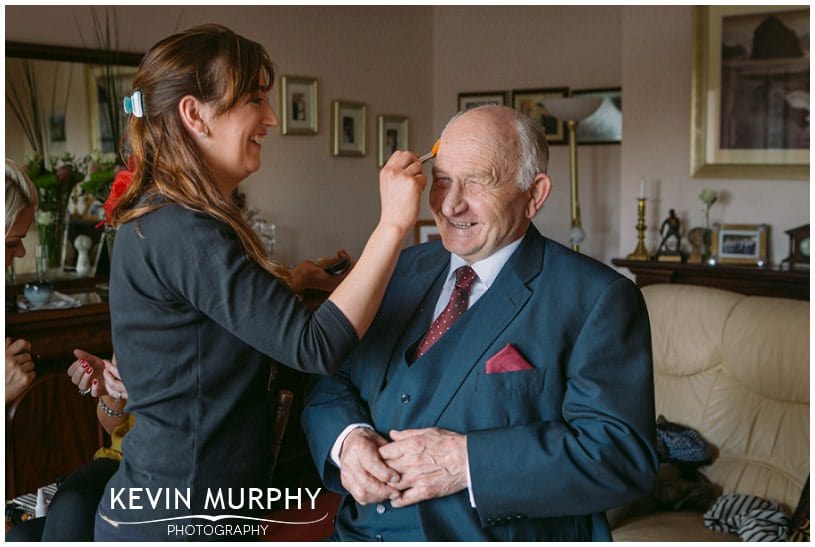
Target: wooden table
742, 279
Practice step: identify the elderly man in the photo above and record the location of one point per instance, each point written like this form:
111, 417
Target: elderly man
504, 391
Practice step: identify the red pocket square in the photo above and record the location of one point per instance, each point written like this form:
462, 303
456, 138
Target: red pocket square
509, 359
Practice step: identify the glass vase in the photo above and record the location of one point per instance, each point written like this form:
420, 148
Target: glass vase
50, 228
707, 243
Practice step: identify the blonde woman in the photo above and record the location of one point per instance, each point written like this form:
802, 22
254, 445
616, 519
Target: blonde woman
21, 203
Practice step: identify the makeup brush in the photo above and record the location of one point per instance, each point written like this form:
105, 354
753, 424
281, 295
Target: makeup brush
432, 154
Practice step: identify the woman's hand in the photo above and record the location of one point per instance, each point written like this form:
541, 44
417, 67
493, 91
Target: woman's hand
19, 368
113, 382
86, 373
401, 182
311, 275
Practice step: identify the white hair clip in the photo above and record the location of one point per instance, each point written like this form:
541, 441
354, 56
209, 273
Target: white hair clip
134, 105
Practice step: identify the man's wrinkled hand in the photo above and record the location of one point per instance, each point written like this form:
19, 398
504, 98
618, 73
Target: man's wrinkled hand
362, 471
432, 463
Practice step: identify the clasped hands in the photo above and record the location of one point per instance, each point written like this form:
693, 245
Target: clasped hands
100, 376
419, 464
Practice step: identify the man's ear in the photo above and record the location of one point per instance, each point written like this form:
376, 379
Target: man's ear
538, 192
191, 111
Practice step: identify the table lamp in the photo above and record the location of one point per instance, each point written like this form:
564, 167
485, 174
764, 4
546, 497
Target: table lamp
571, 110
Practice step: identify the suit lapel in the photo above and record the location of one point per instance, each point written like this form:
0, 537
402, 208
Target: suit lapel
491, 315
405, 307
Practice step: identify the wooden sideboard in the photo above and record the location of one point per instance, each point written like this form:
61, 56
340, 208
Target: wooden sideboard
742, 279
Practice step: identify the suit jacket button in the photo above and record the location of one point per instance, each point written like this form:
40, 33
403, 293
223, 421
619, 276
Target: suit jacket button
405, 398
380, 508
378, 537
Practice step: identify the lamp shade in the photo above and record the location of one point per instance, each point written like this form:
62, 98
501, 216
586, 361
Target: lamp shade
572, 108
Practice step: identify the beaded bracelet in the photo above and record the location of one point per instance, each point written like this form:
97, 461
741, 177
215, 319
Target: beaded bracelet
109, 411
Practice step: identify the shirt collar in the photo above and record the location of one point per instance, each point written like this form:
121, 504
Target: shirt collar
488, 268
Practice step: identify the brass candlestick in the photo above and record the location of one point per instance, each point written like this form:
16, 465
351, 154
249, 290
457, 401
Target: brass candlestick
640, 253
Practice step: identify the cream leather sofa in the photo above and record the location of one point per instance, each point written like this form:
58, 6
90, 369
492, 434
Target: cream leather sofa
735, 368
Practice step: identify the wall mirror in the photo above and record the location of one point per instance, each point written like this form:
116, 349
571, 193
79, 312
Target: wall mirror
73, 103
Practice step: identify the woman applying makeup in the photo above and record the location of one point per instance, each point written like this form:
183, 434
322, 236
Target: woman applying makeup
197, 308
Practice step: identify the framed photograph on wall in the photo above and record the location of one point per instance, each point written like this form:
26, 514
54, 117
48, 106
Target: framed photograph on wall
750, 92
467, 101
740, 243
298, 105
424, 231
347, 128
605, 125
530, 102
391, 135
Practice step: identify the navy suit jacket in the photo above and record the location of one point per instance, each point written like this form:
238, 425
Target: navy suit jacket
550, 448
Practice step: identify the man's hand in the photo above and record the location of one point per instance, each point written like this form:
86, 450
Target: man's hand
432, 463
362, 471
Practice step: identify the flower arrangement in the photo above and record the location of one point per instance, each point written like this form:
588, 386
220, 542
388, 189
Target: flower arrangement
54, 184
121, 182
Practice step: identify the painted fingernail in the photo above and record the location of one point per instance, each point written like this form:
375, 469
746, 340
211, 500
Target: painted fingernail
394, 478
95, 382
394, 496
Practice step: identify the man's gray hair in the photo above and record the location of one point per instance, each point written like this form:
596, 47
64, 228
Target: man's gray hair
20, 193
533, 151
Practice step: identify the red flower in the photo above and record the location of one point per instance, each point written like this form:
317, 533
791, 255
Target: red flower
121, 182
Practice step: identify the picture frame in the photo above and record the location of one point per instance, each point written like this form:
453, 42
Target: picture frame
298, 105
347, 128
734, 59
99, 102
740, 244
391, 135
528, 101
470, 100
605, 125
424, 231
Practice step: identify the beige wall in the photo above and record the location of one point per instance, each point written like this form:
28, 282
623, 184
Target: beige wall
414, 60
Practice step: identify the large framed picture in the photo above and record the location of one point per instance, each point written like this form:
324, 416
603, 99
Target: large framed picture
298, 105
750, 96
391, 135
605, 125
530, 102
740, 243
424, 231
347, 128
467, 101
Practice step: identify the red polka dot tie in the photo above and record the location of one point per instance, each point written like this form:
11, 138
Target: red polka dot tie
465, 276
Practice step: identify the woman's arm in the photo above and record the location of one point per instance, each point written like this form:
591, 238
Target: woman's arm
401, 182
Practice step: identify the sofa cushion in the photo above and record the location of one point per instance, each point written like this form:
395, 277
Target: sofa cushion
736, 369
668, 526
